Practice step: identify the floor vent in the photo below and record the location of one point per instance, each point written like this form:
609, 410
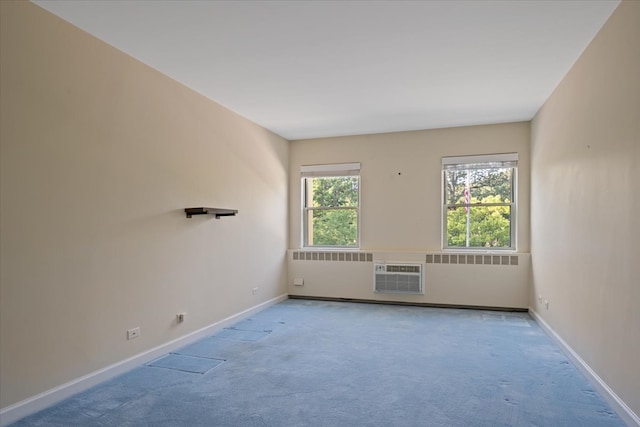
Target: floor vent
398, 278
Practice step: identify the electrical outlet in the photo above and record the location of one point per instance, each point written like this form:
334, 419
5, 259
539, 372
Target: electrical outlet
254, 291
546, 304
180, 317
133, 333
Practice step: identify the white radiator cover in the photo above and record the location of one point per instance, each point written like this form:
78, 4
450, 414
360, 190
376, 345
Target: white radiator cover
398, 278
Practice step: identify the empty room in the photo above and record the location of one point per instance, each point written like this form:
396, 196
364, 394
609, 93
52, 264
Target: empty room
319, 213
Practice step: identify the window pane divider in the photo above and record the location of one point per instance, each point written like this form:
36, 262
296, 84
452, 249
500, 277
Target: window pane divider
471, 205
324, 208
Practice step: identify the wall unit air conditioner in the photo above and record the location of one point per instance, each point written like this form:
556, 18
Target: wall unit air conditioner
398, 278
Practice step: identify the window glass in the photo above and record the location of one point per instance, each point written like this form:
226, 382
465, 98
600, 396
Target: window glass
331, 206
479, 202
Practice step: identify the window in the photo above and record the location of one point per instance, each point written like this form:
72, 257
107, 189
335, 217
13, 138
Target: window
479, 206
331, 205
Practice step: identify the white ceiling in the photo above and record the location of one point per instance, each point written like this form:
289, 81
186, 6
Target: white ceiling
308, 69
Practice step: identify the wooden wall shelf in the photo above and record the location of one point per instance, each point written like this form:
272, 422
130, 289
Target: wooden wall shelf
218, 212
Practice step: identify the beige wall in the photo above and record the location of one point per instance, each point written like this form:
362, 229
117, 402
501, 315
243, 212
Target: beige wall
99, 156
400, 217
585, 205
401, 180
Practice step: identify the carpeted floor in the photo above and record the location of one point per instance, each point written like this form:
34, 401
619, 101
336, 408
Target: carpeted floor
314, 363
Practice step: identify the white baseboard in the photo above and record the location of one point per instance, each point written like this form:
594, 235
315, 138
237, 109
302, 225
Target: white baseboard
617, 404
43, 400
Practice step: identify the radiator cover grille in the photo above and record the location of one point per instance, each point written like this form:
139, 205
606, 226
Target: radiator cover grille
398, 278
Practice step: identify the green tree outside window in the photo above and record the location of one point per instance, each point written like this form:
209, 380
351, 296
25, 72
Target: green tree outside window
331, 211
479, 206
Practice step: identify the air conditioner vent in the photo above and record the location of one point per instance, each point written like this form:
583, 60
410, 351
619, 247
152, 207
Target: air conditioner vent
398, 278
403, 268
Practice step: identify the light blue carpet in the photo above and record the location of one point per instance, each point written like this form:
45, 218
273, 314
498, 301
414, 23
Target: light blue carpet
313, 363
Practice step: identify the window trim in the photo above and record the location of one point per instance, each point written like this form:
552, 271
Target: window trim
498, 160
328, 171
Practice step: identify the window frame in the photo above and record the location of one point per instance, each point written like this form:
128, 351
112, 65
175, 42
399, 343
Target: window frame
338, 170
493, 161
